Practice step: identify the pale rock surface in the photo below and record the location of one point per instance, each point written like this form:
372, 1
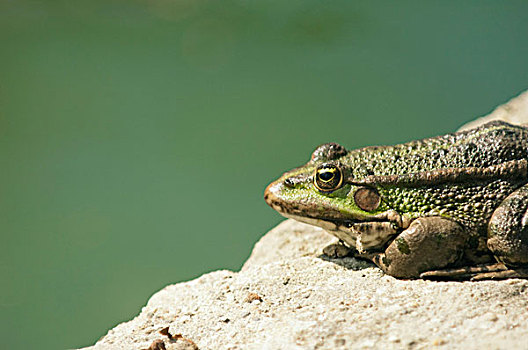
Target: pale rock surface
289, 296
288, 240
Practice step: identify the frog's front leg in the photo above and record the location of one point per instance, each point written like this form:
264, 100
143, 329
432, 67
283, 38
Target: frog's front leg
429, 243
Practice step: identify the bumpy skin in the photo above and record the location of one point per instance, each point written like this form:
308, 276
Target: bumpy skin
437, 197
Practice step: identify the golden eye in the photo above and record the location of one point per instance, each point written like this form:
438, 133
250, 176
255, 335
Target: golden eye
328, 178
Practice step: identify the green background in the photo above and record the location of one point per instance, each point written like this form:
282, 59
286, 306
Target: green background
137, 137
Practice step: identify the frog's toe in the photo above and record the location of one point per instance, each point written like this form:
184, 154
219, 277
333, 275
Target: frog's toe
337, 250
501, 275
468, 272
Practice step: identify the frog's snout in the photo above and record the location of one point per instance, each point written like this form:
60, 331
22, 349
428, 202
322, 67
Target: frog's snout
269, 193
273, 194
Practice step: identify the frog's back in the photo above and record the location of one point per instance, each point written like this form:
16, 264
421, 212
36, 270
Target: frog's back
491, 144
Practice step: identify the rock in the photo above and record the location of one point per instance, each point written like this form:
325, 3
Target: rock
290, 239
310, 303
289, 296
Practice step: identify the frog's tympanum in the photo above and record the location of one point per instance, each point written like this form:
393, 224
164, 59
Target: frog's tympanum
447, 207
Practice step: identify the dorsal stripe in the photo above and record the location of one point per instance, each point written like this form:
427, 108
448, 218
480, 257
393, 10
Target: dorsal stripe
515, 169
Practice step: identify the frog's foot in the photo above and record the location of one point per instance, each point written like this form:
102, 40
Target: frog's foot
337, 250
477, 273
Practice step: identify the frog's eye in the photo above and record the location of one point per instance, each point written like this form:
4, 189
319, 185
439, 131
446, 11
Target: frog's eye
367, 198
328, 177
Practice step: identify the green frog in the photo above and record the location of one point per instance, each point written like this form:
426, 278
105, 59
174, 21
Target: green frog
447, 207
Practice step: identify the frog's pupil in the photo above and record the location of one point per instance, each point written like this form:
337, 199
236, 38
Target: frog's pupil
326, 176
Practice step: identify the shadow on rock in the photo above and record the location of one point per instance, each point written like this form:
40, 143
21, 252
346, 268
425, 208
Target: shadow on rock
348, 262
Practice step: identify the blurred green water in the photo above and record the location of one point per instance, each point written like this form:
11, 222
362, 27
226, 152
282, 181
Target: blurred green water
136, 137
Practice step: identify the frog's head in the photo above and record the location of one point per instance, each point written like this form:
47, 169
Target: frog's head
323, 193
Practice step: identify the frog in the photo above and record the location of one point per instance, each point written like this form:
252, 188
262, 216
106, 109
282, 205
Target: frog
450, 207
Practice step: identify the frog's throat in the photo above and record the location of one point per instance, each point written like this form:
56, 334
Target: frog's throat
361, 235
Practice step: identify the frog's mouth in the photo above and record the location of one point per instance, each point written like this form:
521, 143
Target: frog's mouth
361, 233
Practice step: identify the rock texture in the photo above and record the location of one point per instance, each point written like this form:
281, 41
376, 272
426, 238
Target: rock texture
289, 296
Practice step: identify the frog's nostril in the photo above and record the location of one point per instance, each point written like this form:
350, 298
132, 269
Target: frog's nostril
288, 183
